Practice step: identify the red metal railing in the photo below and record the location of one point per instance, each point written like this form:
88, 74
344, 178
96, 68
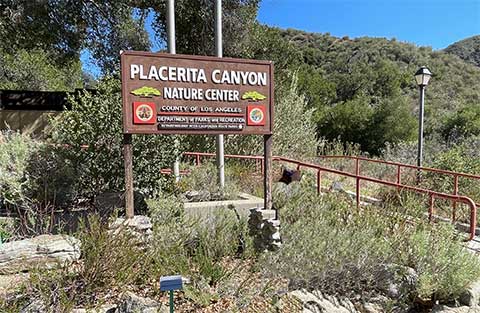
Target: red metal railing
399, 166
259, 163
320, 169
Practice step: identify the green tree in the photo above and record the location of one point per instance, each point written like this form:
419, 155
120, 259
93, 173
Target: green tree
294, 128
391, 122
195, 20
96, 120
347, 121
463, 123
63, 28
35, 70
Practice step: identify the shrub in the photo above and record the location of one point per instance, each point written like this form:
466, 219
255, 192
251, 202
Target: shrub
204, 179
109, 262
332, 246
198, 244
15, 150
444, 268
294, 131
52, 178
96, 120
463, 157
34, 181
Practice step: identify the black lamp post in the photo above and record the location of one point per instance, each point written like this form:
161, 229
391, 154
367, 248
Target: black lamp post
422, 76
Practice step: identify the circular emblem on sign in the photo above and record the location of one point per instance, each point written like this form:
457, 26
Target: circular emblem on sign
144, 112
256, 115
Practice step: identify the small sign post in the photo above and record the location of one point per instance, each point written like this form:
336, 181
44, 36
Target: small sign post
195, 95
171, 283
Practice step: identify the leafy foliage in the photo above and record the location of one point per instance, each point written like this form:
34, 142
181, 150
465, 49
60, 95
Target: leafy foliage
203, 179
64, 28
355, 248
15, 151
462, 124
290, 110
355, 84
238, 20
467, 49
95, 120
36, 70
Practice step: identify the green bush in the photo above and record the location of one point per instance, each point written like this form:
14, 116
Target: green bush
37, 69
95, 119
109, 263
15, 151
198, 244
462, 157
53, 180
34, 181
332, 246
294, 131
463, 123
443, 266
204, 179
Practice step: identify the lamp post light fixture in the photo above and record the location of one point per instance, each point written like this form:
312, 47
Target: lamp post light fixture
422, 76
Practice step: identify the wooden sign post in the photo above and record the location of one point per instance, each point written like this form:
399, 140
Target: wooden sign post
195, 95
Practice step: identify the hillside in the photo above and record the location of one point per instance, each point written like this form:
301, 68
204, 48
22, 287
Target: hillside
467, 49
363, 89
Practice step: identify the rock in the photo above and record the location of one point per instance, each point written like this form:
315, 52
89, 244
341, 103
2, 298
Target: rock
371, 308
130, 302
35, 306
264, 229
45, 251
139, 224
377, 305
107, 308
471, 296
316, 302
447, 309
9, 283
396, 281
197, 196
107, 202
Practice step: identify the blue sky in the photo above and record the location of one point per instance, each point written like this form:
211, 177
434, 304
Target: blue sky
434, 23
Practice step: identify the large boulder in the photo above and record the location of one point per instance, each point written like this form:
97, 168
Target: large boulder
45, 251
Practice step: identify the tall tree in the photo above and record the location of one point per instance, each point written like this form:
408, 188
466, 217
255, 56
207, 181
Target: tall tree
195, 25
64, 27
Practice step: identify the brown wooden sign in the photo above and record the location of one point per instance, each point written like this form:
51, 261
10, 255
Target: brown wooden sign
184, 94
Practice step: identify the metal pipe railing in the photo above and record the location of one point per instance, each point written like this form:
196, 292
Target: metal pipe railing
358, 178
399, 166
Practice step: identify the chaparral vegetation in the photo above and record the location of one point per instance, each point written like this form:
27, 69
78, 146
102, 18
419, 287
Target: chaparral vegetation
61, 192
